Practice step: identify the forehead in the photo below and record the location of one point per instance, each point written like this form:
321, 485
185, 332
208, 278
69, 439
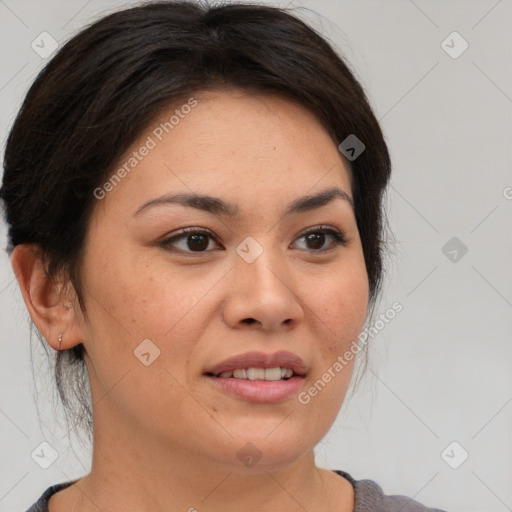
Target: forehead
249, 120
231, 141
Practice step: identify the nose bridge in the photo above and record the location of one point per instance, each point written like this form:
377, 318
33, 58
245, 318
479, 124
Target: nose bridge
263, 288
262, 266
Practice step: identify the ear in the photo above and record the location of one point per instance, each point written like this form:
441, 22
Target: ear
52, 306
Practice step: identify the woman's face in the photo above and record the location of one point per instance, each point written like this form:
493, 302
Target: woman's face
162, 314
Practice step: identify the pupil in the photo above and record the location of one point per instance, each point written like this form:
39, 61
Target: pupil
194, 242
316, 238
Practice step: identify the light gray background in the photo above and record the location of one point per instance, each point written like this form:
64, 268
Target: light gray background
441, 370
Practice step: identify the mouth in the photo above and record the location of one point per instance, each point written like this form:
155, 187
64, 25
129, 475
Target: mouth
260, 366
268, 374
258, 377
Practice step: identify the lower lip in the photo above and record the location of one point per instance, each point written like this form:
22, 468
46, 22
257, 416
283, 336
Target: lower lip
264, 391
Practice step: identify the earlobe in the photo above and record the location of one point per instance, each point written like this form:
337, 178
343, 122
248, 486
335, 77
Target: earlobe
48, 302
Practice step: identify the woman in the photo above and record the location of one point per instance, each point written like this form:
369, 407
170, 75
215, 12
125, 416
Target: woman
194, 201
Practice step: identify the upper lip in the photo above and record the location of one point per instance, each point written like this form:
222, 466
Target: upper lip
261, 360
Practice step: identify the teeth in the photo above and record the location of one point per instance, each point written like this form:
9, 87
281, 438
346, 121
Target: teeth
256, 373
239, 374
276, 373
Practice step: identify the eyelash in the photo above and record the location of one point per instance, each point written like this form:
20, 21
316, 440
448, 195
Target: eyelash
339, 238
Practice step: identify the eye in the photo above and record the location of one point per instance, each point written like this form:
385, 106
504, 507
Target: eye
195, 240
315, 238
190, 239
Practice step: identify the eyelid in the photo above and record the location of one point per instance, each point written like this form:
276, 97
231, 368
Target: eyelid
321, 227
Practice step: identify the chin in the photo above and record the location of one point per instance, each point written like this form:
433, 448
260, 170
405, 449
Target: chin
268, 449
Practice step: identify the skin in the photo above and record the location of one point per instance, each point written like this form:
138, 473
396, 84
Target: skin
164, 438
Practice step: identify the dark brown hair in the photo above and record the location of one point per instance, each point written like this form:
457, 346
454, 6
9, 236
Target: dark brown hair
105, 85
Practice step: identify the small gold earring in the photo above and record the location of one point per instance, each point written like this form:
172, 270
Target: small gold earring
60, 340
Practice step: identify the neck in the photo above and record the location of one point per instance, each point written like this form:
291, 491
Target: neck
131, 472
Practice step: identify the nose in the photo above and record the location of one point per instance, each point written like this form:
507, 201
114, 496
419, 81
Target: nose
262, 295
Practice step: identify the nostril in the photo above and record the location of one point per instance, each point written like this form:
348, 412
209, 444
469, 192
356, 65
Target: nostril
249, 320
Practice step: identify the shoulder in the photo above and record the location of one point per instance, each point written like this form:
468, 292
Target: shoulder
370, 498
41, 505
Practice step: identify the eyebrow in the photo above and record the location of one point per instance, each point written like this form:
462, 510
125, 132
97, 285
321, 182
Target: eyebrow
218, 206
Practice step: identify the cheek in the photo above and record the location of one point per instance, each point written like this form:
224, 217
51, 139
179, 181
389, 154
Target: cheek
338, 310
341, 303
128, 303
143, 296
342, 308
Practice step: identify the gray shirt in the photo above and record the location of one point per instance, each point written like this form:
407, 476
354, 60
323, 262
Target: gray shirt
368, 498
